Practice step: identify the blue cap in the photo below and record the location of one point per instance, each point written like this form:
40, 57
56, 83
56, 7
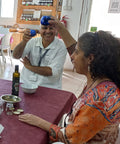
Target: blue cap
44, 20
32, 32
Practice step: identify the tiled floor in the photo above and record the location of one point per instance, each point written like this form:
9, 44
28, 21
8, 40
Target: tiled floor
72, 81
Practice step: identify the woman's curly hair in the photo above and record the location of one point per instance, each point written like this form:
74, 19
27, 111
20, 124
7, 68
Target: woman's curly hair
106, 51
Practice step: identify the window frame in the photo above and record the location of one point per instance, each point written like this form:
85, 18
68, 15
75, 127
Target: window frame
7, 20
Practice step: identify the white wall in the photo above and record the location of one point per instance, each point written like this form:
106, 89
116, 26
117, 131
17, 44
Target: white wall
103, 20
72, 24
85, 17
78, 21
74, 17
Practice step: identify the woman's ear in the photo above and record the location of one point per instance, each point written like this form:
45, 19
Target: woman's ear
90, 58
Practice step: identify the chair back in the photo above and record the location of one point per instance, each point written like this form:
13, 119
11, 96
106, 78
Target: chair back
4, 30
5, 45
6, 40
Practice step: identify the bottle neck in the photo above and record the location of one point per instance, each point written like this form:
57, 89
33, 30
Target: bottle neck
16, 68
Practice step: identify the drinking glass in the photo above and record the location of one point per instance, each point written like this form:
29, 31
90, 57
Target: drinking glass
9, 108
1, 106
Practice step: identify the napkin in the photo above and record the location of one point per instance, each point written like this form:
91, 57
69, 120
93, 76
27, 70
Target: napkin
1, 128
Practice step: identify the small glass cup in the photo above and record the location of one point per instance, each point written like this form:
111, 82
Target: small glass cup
1, 106
9, 108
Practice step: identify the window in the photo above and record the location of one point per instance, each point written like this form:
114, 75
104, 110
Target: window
7, 8
8, 12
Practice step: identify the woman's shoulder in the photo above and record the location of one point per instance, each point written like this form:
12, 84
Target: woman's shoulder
107, 86
109, 96
103, 91
106, 92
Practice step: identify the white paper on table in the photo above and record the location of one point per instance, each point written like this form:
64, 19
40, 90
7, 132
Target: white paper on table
1, 128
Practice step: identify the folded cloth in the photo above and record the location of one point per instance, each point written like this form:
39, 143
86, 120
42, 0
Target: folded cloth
1, 128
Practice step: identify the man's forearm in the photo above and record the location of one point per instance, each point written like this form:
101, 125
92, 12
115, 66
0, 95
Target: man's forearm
18, 50
45, 71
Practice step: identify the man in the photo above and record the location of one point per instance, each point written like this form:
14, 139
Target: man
43, 58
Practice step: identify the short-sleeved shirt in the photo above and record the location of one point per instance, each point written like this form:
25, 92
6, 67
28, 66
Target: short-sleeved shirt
54, 58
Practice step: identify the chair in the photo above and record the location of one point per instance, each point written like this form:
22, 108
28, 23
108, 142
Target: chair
6, 41
4, 30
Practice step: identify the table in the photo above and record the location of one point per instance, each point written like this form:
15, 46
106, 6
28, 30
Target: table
47, 103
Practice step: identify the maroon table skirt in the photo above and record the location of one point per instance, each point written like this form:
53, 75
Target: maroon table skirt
49, 104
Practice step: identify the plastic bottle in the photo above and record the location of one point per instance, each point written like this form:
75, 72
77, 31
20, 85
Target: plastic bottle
15, 81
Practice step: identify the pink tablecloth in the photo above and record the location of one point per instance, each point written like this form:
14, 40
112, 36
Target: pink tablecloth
47, 103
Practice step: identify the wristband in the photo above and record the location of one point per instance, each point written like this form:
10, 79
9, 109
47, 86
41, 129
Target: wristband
53, 132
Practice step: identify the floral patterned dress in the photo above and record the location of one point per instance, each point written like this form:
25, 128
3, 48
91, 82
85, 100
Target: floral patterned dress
95, 116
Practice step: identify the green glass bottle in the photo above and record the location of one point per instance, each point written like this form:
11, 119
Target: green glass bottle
15, 81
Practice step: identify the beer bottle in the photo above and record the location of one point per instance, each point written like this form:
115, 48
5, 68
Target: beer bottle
15, 81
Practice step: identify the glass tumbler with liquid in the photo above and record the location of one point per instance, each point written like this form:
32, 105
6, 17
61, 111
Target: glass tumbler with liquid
1, 106
9, 108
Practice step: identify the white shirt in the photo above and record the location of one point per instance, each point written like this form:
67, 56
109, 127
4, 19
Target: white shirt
54, 58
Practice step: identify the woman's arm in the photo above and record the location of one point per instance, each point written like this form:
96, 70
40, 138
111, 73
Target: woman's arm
64, 33
35, 121
54, 130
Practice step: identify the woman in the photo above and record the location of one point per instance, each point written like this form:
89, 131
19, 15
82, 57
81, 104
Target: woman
95, 116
